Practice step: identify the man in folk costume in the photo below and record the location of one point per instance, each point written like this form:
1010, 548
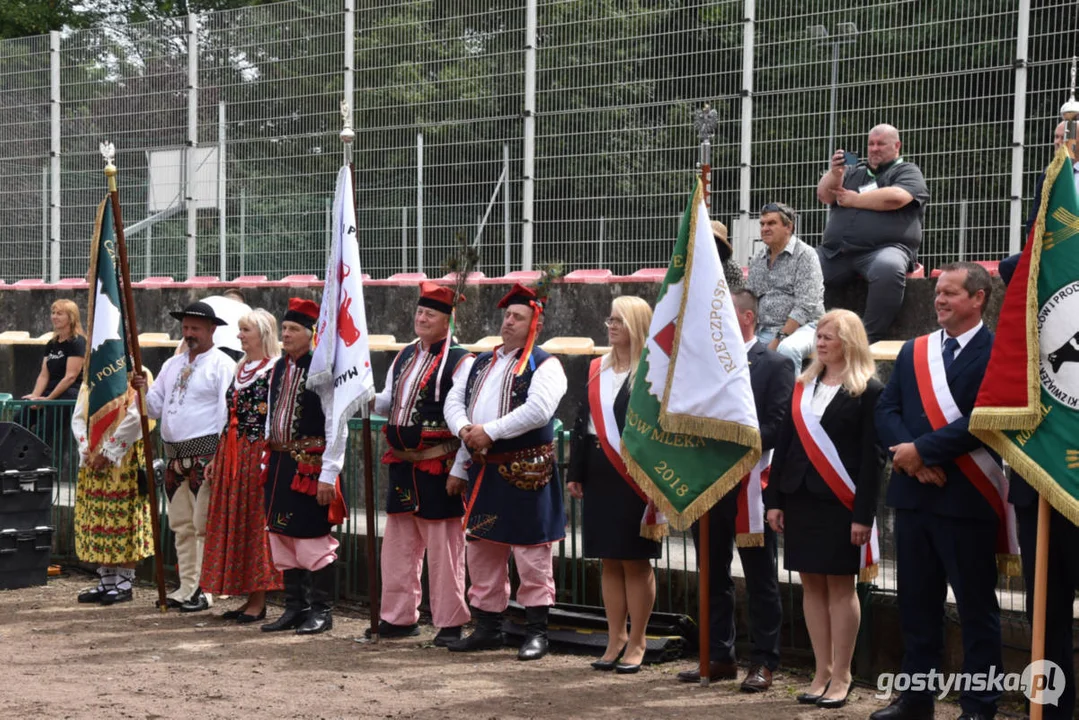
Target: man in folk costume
504, 415
423, 506
738, 520
189, 400
303, 493
954, 525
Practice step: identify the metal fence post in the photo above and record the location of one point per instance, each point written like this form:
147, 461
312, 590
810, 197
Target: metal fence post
506, 208
192, 143
1022, 42
419, 202
404, 239
742, 241
528, 169
222, 217
54, 149
44, 222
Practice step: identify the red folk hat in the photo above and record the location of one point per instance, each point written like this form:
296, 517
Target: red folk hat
520, 295
302, 312
438, 297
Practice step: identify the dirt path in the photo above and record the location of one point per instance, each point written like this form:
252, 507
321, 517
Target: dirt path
63, 660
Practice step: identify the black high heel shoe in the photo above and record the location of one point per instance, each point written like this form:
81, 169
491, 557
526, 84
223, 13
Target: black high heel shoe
608, 665
834, 703
810, 699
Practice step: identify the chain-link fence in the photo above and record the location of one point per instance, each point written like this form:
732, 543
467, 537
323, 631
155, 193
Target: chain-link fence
552, 130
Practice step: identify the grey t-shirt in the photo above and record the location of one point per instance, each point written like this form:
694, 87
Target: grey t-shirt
851, 229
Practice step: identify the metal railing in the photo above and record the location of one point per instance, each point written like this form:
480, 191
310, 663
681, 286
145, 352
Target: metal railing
576, 577
552, 130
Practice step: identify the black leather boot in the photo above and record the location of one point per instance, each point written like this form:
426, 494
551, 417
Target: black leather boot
296, 603
535, 645
486, 636
320, 618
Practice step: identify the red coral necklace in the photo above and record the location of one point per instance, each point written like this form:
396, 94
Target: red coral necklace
244, 377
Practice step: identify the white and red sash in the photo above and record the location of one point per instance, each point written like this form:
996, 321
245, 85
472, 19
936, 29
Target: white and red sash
749, 522
822, 453
601, 408
978, 466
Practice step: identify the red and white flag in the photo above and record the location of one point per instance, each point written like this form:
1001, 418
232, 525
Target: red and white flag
341, 364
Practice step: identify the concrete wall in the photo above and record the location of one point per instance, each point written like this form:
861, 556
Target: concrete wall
576, 310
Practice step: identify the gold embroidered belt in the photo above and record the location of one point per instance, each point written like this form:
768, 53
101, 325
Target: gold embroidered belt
526, 469
297, 449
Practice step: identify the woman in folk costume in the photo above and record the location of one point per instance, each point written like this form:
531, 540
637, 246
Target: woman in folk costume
236, 559
112, 507
822, 494
620, 525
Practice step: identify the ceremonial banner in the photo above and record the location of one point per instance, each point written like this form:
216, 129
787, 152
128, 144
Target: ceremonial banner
341, 364
105, 369
691, 428
1028, 405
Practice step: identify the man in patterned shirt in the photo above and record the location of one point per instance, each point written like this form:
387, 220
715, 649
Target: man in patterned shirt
786, 279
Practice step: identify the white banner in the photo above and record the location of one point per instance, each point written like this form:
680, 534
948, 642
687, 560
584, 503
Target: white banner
341, 365
697, 358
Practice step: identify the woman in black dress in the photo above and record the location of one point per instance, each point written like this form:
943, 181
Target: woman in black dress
822, 494
61, 369
614, 508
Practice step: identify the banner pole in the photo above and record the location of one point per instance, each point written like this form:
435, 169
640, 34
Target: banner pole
1041, 580
374, 589
703, 573
131, 327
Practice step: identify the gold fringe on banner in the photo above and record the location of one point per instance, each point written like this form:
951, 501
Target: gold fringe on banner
868, 574
655, 532
749, 540
1008, 564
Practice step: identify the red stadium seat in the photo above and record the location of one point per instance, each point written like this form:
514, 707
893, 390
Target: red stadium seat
406, 278
593, 275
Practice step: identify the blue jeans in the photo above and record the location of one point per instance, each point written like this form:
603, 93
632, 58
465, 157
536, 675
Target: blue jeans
796, 347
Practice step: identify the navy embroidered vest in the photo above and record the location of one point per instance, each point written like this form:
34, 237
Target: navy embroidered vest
427, 419
411, 489
507, 507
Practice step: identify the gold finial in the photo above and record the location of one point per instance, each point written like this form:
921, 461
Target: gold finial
108, 152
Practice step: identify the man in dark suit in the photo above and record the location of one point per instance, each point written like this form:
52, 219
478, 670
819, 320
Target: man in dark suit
1062, 582
945, 529
773, 384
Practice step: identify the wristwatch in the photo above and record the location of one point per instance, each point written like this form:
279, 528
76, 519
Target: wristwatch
780, 336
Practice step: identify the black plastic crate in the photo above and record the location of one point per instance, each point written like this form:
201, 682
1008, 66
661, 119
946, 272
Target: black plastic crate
26, 498
24, 557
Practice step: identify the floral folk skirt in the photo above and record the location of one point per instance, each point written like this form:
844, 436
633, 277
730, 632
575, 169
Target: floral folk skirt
112, 521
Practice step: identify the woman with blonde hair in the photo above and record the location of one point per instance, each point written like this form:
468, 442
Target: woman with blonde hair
236, 559
619, 524
65, 353
822, 494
